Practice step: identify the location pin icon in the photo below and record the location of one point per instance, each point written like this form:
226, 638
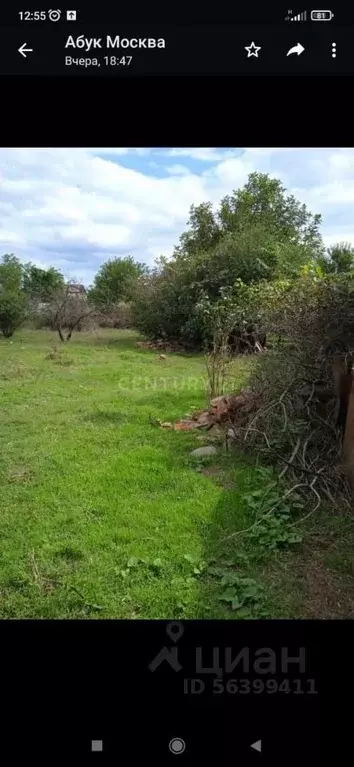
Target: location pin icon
174, 630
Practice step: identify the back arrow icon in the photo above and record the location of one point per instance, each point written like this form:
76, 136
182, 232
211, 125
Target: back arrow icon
23, 50
298, 48
257, 745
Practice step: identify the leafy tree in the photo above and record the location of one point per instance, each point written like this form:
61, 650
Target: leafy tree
12, 311
41, 284
11, 273
160, 305
115, 281
258, 234
12, 300
204, 231
263, 200
339, 259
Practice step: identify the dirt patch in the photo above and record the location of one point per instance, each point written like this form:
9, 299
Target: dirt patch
20, 475
328, 594
211, 471
16, 371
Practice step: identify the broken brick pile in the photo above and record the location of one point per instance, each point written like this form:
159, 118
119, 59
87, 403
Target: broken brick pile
225, 410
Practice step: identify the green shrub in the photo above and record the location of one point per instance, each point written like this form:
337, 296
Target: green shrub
120, 316
12, 312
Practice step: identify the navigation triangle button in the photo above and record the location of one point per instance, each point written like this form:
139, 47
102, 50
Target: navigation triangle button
257, 745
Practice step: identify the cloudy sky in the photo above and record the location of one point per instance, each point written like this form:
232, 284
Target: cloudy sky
75, 208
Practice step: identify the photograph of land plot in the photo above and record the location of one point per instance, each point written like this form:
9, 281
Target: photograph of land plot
176, 400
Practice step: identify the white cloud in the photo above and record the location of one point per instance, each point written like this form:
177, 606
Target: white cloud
74, 208
116, 151
10, 238
177, 170
204, 154
347, 235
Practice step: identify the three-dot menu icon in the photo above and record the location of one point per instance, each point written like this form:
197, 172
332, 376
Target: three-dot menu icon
334, 50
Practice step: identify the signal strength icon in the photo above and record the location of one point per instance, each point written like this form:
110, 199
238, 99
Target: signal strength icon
299, 17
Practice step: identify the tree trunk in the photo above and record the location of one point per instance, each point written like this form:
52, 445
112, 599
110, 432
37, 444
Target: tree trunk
348, 442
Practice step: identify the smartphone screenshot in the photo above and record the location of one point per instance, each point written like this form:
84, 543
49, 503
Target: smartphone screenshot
176, 384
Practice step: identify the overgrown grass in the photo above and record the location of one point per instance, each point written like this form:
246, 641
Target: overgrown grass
103, 515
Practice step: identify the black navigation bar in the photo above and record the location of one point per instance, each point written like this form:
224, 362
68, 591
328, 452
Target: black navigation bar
208, 49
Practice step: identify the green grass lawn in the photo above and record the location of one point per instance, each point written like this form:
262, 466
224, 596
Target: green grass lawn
103, 515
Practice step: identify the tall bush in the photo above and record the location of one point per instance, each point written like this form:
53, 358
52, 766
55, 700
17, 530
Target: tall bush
13, 311
258, 234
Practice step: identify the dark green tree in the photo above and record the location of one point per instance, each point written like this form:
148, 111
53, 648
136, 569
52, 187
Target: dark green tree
263, 200
11, 273
259, 233
115, 281
13, 303
203, 231
339, 259
41, 284
12, 312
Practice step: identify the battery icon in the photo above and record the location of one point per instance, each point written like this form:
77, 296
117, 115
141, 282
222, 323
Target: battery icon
321, 15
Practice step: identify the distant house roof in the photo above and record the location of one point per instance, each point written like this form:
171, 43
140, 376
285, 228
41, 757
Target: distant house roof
76, 289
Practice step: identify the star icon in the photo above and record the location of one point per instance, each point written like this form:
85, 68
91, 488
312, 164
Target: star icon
252, 50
